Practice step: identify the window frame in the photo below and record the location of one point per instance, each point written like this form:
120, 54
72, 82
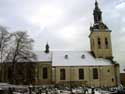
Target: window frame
62, 74
106, 43
81, 74
45, 73
99, 43
95, 73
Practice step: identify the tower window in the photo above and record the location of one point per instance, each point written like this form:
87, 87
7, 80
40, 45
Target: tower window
62, 74
112, 79
92, 42
45, 73
81, 74
106, 43
108, 70
95, 73
99, 43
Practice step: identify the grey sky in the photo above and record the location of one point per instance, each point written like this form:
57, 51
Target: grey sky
64, 23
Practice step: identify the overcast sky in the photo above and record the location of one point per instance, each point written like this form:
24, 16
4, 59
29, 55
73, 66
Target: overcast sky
64, 24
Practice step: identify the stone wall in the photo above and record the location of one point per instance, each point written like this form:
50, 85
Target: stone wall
32, 73
106, 76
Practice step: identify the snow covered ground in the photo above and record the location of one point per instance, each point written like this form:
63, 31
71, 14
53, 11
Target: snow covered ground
24, 89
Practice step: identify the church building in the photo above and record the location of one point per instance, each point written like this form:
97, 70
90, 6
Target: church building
94, 68
82, 68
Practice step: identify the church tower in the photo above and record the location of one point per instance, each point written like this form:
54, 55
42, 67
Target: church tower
100, 36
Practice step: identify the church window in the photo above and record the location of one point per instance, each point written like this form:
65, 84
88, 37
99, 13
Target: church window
112, 79
108, 70
92, 43
106, 42
45, 73
66, 56
99, 43
81, 74
95, 73
62, 74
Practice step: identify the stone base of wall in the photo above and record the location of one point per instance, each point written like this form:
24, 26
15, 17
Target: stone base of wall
72, 83
42, 82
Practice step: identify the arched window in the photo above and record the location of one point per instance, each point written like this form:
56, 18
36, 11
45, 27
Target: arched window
106, 43
81, 74
95, 73
112, 79
45, 73
93, 43
62, 74
99, 43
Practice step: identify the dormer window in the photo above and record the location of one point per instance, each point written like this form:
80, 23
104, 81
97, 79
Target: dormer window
66, 56
83, 56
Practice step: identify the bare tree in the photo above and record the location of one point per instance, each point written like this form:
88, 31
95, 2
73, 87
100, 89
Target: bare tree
15, 47
21, 51
5, 39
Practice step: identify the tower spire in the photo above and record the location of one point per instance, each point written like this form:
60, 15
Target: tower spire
96, 3
97, 13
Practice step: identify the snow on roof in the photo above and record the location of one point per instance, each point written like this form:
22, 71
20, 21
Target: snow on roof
42, 56
71, 58
77, 58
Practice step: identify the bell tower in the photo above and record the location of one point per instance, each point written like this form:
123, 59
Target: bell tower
100, 36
